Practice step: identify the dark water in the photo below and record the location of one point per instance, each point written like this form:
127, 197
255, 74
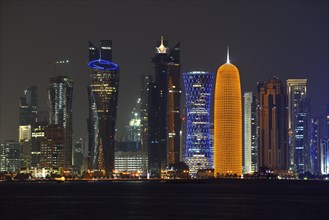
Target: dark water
227, 199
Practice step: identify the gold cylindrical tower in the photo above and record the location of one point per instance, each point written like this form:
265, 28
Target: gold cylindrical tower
228, 121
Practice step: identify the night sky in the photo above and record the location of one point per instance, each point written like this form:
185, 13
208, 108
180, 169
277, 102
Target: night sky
287, 39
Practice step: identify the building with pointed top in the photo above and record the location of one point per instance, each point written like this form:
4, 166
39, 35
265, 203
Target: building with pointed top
103, 101
228, 121
164, 109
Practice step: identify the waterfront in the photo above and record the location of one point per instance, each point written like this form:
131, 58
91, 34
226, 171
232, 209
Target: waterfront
225, 199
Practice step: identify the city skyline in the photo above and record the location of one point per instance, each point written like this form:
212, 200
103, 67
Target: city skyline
301, 52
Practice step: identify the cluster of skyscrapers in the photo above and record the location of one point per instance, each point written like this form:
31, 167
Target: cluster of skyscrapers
270, 129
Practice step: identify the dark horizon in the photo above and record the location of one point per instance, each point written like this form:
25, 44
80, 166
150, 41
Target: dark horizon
286, 38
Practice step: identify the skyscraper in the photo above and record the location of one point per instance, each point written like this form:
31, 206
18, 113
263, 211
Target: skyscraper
38, 135
324, 147
28, 107
298, 112
60, 94
144, 94
228, 121
164, 109
198, 91
52, 147
103, 100
314, 141
273, 152
250, 146
13, 155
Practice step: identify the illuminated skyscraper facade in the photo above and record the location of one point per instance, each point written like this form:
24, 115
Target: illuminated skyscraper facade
38, 134
273, 149
60, 95
198, 91
315, 158
164, 109
103, 100
324, 147
28, 107
250, 124
13, 156
228, 121
52, 147
144, 94
298, 113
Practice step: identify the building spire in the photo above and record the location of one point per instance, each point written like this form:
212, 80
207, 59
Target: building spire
162, 48
228, 55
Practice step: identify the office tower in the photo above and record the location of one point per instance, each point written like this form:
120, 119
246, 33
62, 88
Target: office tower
133, 130
198, 91
60, 94
182, 134
298, 112
103, 101
314, 142
273, 152
28, 107
78, 154
13, 155
326, 115
164, 109
228, 121
24, 138
211, 136
38, 134
144, 94
52, 147
3, 158
250, 146
247, 98
324, 147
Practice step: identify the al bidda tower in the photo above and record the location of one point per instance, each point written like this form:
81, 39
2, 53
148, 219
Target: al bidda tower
227, 121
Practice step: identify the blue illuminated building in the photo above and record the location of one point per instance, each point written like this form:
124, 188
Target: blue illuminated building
103, 99
198, 90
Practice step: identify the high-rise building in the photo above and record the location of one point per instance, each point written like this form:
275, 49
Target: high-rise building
198, 91
273, 152
298, 113
3, 158
52, 147
38, 134
228, 121
60, 94
28, 107
78, 154
133, 130
164, 104
28, 117
324, 147
326, 115
145, 82
250, 146
314, 141
103, 101
13, 155
25, 141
